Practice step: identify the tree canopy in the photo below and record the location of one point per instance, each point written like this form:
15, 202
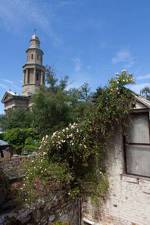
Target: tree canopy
16, 118
54, 106
145, 92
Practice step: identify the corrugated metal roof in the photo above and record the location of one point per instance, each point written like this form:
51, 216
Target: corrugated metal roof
3, 143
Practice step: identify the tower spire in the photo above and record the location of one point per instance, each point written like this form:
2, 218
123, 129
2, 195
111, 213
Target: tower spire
34, 31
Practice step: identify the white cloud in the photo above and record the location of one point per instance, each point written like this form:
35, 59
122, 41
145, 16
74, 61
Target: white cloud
77, 64
144, 77
124, 56
8, 81
6, 84
64, 3
137, 87
15, 15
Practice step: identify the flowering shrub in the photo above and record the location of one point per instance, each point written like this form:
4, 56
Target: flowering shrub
73, 159
43, 178
68, 145
63, 159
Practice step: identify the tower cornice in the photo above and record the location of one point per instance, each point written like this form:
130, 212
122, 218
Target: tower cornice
38, 49
33, 65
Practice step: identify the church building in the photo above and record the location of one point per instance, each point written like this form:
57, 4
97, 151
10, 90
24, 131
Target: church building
33, 78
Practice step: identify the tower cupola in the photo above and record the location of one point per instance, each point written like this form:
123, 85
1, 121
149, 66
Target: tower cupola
34, 42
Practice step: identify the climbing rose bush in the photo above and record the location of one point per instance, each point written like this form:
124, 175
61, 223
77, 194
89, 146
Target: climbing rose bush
65, 159
73, 159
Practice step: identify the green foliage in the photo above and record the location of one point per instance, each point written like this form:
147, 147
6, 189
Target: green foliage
79, 150
145, 92
16, 118
2, 121
1, 136
58, 222
43, 178
80, 100
54, 107
112, 107
21, 138
51, 111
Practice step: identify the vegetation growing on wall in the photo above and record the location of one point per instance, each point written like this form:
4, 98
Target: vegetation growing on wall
60, 223
72, 159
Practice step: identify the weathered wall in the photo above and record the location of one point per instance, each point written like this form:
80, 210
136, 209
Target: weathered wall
36, 214
128, 200
12, 166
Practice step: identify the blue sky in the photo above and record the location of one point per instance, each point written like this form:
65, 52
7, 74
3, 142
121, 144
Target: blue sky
88, 40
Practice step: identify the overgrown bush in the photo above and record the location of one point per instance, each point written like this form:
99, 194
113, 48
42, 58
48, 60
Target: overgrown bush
22, 139
74, 157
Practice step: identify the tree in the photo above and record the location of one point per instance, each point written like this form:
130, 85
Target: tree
22, 139
96, 94
54, 106
84, 92
16, 118
51, 105
145, 92
81, 101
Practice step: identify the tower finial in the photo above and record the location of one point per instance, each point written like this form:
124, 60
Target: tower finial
34, 31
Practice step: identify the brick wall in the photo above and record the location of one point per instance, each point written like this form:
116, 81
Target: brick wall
128, 199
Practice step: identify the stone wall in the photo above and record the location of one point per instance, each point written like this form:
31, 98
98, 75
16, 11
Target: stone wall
12, 166
128, 199
42, 213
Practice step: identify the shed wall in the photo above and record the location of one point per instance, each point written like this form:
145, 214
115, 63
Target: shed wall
128, 199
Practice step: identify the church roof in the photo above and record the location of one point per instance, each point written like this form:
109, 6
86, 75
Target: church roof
10, 94
3, 143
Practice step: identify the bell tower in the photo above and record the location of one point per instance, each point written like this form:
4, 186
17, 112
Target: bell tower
33, 70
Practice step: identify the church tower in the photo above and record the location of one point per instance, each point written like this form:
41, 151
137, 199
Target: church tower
33, 70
